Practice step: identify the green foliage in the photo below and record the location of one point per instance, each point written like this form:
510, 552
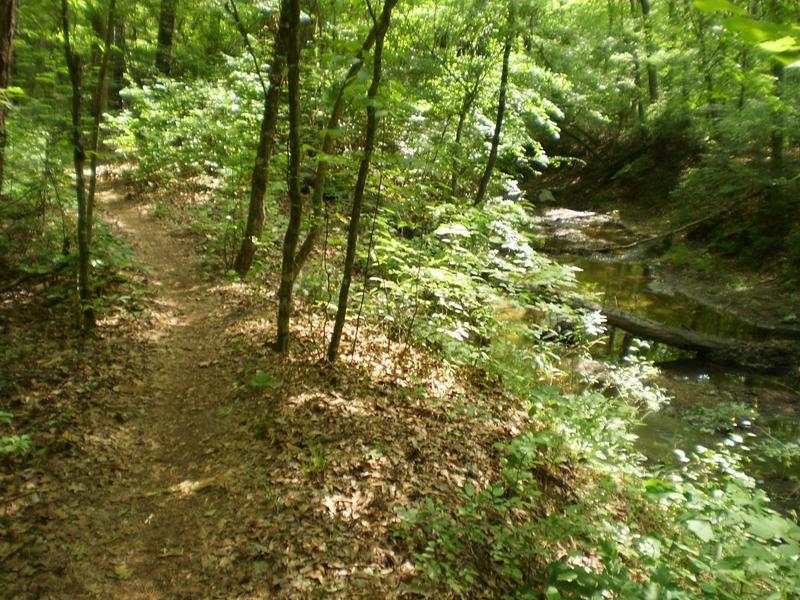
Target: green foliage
12, 444
723, 417
443, 286
261, 380
699, 530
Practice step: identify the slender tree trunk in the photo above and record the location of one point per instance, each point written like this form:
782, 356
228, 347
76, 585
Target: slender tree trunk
637, 79
117, 77
328, 140
266, 140
466, 106
79, 160
777, 135
501, 109
652, 72
8, 18
776, 14
382, 27
98, 106
166, 31
744, 61
295, 200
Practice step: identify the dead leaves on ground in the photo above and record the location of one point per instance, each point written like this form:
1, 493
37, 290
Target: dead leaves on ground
282, 484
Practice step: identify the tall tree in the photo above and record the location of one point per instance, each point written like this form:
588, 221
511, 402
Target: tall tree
75, 69
98, 107
652, 72
777, 135
84, 198
8, 18
382, 26
254, 227
295, 200
166, 33
501, 107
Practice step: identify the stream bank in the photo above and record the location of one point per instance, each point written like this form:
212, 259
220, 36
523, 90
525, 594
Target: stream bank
710, 403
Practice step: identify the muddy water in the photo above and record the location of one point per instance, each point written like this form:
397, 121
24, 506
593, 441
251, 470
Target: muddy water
709, 403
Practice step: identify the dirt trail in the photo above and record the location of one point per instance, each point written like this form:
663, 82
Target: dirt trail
192, 462
151, 521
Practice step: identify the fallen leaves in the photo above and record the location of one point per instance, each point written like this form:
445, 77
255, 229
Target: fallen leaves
289, 475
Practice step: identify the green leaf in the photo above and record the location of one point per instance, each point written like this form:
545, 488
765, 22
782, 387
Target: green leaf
552, 593
767, 527
260, 566
718, 6
452, 229
261, 380
701, 529
754, 31
784, 44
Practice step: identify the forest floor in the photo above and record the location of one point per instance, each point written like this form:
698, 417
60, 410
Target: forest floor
175, 455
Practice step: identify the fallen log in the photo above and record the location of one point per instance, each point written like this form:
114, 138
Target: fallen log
768, 355
660, 236
773, 356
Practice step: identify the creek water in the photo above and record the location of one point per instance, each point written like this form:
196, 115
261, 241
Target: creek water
708, 402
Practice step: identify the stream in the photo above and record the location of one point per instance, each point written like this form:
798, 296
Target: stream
709, 402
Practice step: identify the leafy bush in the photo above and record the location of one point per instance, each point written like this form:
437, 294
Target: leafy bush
696, 530
13, 444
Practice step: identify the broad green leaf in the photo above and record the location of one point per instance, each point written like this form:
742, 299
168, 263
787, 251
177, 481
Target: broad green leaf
717, 6
552, 593
701, 529
261, 380
784, 44
450, 229
754, 31
767, 527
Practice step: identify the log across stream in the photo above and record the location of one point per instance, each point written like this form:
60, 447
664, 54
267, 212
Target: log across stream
711, 362
770, 355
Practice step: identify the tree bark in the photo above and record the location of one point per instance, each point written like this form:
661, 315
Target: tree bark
295, 200
118, 67
777, 15
98, 106
87, 320
466, 105
501, 109
652, 73
166, 31
8, 18
770, 355
777, 135
382, 26
266, 140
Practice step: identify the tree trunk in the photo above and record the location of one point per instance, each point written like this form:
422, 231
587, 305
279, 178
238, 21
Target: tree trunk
381, 28
769, 355
266, 140
327, 143
117, 78
98, 106
652, 73
466, 105
501, 109
166, 31
87, 321
295, 200
8, 18
777, 135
